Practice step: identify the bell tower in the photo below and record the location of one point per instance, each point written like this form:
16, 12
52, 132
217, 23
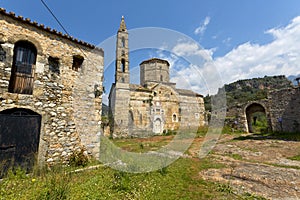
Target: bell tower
119, 96
122, 55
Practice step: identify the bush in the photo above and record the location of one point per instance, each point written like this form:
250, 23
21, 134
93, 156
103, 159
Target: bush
78, 158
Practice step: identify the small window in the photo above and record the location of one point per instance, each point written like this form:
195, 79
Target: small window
197, 115
123, 65
174, 118
161, 77
77, 62
123, 53
2, 54
157, 111
123, 42
54, 65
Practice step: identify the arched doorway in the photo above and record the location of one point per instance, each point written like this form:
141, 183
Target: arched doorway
19, 139
256, 117
157, 126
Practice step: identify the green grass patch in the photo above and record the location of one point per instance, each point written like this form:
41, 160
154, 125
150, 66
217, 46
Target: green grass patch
180, 180
297, 157
235, 156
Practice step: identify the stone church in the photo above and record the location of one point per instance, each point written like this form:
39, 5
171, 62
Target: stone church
44, 100
155, 106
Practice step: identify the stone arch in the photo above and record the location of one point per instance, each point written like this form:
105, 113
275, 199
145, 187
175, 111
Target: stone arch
158, 125
16, 38
250, 109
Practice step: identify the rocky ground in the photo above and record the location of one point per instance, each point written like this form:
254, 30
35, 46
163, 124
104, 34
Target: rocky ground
257, 165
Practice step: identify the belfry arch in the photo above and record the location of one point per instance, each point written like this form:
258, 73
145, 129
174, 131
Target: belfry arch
250, 110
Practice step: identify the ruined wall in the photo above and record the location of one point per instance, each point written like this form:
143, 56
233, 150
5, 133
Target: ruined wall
285, 104
62, 97
281, 104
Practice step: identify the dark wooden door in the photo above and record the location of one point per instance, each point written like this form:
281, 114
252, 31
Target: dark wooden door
19, 139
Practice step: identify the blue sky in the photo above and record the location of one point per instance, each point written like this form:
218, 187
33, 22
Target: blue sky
245, 38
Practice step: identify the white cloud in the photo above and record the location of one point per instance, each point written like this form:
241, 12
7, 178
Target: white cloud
105, 98
248, 60
192, 48
279, 57
201, 29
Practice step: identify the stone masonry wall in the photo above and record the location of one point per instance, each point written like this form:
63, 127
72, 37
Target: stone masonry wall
285, 104
67, 102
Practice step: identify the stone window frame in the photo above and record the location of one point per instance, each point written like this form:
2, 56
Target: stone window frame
77, 62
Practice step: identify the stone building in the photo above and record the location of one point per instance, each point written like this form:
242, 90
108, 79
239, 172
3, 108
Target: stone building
44, 97
154, 106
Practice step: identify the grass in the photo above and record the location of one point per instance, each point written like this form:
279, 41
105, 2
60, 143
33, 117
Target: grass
297, 158
143, 145
180, 180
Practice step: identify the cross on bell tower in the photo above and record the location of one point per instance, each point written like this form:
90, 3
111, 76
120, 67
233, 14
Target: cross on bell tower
122, 54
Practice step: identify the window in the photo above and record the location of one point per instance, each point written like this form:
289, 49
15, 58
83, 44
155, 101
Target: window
157, 111
22, 74
174, 118
2, 54
197, 115
123, 42
161, 77
54, 65
77, 62
123, 53
123, 65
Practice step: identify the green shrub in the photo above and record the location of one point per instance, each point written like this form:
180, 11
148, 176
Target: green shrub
78, 158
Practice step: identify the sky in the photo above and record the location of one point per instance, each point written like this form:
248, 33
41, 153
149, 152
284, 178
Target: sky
242, 38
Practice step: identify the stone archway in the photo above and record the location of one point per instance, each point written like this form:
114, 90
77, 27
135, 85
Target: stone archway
250, 110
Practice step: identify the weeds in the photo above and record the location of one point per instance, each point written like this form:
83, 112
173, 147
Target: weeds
78, 158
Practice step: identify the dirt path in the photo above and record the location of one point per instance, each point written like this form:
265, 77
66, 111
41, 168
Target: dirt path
258, 166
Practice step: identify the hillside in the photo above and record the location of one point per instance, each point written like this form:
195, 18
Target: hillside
246, 90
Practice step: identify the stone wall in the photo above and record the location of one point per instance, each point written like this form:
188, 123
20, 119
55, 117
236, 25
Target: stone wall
69, 101
281, 109
285, 104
